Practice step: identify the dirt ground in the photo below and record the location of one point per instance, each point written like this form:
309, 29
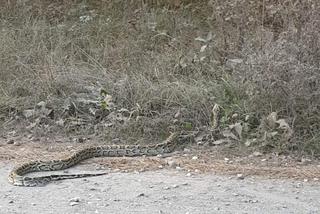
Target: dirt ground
192, 181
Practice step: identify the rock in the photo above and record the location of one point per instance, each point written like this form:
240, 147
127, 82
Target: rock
76, 199
200, 143
257, 154
141, 195
73, 203
175, 186
11, 141
240, 176
17, 143
195, 158
188, 174
41, 104
220, 142
186, 150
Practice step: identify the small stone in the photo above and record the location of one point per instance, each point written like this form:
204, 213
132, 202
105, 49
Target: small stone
17, 144
188, 174
186, 150
141, 194
200, 143
195, 158
305, 180
10, 141
11, 202
178, 168
76, 199
257, 154
166, 188
315, 179
196, 170
73, 203
240, 176
263, 160
160, 167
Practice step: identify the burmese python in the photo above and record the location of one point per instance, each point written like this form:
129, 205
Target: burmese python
17, 178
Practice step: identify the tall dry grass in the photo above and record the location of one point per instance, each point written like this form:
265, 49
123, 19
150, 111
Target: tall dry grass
251, 57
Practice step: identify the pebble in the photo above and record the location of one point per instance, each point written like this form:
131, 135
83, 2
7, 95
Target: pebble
200, 143
10, 141
73, 203
240, 176
76, 199
188, 174
141, 194
178, 168
17, 144
257, 154
195, 158
186, 150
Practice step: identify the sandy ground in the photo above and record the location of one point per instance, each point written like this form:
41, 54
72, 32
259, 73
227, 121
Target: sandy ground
192, 181
161, 191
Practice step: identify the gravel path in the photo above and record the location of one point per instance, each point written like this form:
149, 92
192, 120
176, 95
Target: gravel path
162, 191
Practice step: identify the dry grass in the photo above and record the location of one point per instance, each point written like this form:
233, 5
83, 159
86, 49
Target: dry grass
251, 57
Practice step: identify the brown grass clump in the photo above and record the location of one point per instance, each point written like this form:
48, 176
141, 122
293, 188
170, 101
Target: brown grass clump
166, 65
